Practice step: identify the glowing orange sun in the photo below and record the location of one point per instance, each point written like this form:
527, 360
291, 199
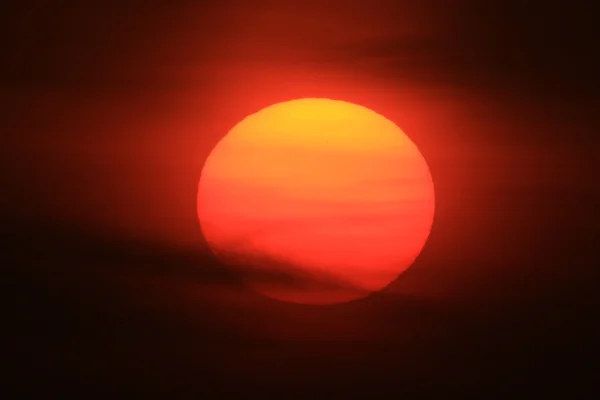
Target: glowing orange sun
316, 201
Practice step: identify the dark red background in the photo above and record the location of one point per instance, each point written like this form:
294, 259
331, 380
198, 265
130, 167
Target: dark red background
110, 110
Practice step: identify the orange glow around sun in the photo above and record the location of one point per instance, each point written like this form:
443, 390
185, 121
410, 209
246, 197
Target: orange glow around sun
316, 201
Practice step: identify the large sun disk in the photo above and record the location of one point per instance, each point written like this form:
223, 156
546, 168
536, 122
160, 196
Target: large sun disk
326, 192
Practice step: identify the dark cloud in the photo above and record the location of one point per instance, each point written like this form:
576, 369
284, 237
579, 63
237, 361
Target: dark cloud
71, 247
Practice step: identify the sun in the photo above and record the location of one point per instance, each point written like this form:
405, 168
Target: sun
316, 201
